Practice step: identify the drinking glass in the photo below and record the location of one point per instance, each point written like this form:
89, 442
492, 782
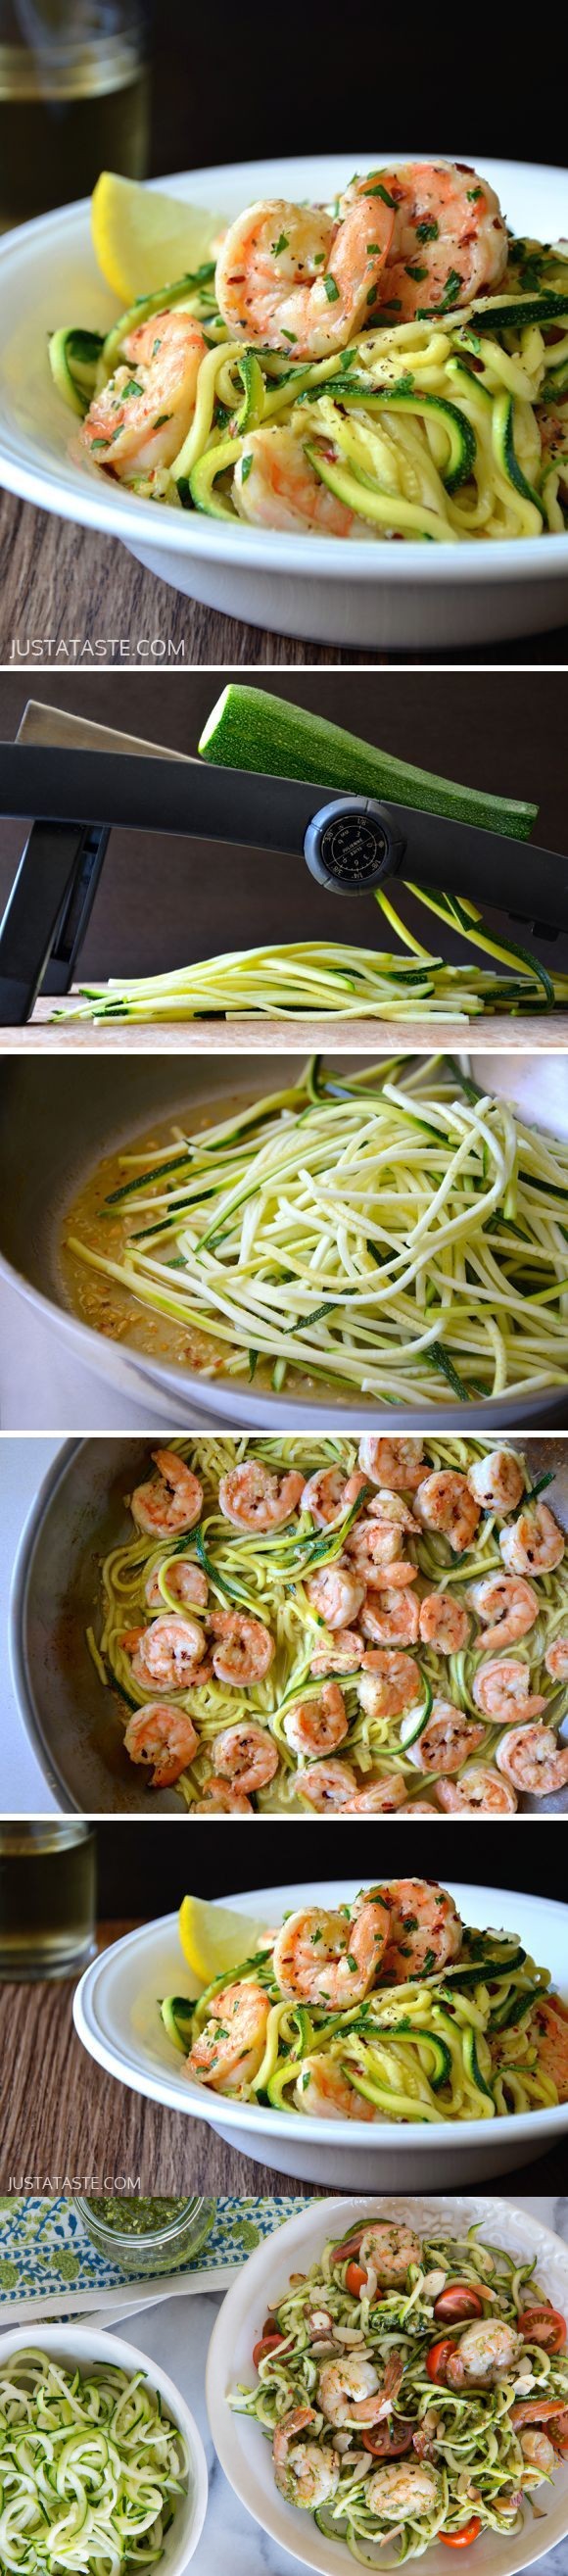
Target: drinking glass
74, 100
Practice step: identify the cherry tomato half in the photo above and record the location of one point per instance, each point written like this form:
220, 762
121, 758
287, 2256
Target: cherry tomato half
388, 2440
457, 2302
543, 2325
355, 2279
267, 2343
437, 2359
461, 2539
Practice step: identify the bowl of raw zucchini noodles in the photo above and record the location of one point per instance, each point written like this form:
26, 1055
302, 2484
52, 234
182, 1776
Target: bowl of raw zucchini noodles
124, 2459
453, 574
505, 2262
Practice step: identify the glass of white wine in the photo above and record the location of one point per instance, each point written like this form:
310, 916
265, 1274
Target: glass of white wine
74, 100
47, 1898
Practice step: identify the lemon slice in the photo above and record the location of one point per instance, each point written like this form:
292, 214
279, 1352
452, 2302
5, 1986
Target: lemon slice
213, 1938
144, 240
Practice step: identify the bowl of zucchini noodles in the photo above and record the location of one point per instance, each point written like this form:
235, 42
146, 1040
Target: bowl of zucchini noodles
123, 2011
396, 1725
484, 578
131, 2469
482, 2244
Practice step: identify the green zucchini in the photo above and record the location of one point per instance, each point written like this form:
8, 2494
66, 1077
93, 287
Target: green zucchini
442, 2055
471, 2059
252, 380
251, 728
503, 438
514, 312
461, 436
358, 492
416, 1719
73, 358
200, 484
177, 2012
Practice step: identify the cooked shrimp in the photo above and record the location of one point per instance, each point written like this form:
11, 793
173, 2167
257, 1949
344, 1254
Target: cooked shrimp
165, 1655
449, 242
252, 1498
538, 2453
444, 1623
328, 1786
388, 1684
444, 1504
487, 2352
534, 1543
388, 2251
537, 2410
509, 1604
276, 486
139, 420
354, 2390
318, 1724
329, 1494
503, 1690
477, 1792
305, 2473
419, 1807
344, 1655
381, 1796
447, 1739
549, 2029
392, 1619
497, 1481
171, 1501
336, 1594
230, 2048
556, 1659
185, 1581
243, 1649
298, 279
374, 1549
425, 1930
400, 2493
396, 1464
533, 1759
163, 1736
331, 1958
324, 2093
245, 1755
217, 1799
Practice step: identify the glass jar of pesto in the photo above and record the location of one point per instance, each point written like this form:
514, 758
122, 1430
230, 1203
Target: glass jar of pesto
147, 2235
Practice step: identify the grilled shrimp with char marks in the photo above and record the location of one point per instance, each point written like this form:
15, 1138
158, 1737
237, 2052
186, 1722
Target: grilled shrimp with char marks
332, 1958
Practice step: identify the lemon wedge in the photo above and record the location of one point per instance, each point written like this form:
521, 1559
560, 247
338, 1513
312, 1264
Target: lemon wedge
213, 1938
143, 240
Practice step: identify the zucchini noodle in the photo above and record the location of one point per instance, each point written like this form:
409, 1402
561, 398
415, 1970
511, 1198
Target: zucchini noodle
393, 1231
91, 2465
316, 977
264, 1576
459, 2043
447, 429
382, 2297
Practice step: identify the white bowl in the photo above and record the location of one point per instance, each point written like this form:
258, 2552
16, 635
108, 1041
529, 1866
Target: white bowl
245, 2452
78, 2346
116, 2015
366, 594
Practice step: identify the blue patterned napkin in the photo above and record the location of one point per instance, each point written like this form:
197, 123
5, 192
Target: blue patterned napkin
44, 2246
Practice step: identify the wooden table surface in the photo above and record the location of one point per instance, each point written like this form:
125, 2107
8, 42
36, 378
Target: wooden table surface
260, 1036
66, 587
65, 2125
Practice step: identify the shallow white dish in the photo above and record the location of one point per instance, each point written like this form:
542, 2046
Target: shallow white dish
245, 2452
81, 2346
117, 2018
364, 594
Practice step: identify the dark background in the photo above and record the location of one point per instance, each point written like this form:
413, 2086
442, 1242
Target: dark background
509, 737
248, 83
145, 1868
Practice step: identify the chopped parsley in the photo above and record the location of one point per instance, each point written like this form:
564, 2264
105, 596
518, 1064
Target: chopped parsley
332, 291
280, 245
246, 469
378, 191
428, 231
472, 195
418, 274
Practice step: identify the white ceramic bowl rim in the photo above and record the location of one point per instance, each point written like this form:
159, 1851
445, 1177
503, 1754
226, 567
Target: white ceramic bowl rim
126, 2058
79, 2343
76, 493
240, 2444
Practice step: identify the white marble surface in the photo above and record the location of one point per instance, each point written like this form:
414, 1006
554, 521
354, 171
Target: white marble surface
23, 1464
177, 2334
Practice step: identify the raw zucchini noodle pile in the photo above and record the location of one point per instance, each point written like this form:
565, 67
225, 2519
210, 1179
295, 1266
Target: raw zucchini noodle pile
386, 2009
394, 1231
386, 2310
446, 428
91, 2467
315, 977
403, 1720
